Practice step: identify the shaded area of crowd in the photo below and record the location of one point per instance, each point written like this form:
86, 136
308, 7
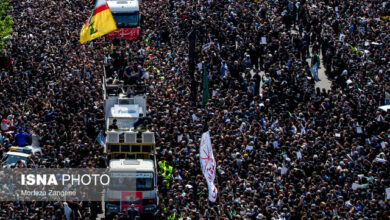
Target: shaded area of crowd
51, 97
292, 151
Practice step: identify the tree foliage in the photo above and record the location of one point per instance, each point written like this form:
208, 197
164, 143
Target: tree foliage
6, 23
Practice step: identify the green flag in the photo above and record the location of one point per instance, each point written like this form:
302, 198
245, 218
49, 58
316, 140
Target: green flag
355, 49
357, 86
206, 93
156, 69
172, 217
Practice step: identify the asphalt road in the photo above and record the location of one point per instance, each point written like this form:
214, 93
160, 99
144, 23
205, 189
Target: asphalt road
324, 82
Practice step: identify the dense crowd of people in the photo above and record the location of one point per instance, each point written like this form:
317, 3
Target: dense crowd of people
51, 97
283, 149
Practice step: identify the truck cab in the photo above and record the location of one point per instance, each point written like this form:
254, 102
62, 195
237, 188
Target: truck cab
135, 183
128, 19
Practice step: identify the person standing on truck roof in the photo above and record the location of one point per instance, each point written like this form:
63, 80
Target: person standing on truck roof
127, 74
113, 126
119, 60
140, 72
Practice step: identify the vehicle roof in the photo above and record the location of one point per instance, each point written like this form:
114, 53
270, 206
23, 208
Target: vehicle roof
132, 164
13, 153
33, 149
123, 5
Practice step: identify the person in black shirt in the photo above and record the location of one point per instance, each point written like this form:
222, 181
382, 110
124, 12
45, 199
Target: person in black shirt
132, 213
113, 126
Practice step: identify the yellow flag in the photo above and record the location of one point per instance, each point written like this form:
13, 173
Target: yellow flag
100, 23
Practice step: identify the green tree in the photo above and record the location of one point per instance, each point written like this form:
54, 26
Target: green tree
6, 23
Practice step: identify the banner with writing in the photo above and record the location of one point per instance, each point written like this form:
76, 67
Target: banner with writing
208, 165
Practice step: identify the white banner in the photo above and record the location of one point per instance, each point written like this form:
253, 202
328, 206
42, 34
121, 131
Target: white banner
208, 165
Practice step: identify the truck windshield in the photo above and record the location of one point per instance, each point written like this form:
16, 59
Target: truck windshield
130, 182
123, 123
126, 20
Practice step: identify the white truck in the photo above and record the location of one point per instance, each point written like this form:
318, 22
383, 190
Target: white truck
131, 154
127, 16
134, 182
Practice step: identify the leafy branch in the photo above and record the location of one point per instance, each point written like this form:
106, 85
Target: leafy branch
6, 23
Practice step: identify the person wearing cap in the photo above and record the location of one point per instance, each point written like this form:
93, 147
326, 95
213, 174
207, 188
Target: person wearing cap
5, 125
